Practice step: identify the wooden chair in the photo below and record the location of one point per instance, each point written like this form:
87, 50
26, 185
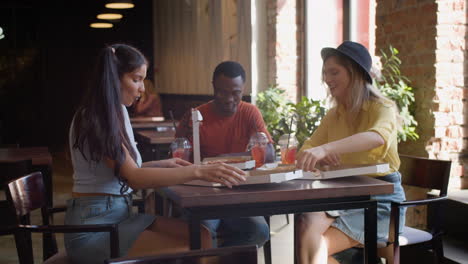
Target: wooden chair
9, 171
26, 194
429, 174
227, 255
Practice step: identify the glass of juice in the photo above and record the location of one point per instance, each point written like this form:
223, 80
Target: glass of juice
181, 148
288, 145
257, 147
258, 154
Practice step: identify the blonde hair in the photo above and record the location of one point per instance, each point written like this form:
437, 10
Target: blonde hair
360, 90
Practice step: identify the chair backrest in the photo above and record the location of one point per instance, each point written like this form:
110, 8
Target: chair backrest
27, 193
226, 255
425, 173
10, 170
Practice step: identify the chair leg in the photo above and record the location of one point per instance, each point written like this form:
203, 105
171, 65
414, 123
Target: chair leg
267, 245
49, 246
23, 243
396, 254
438, 248
267, 251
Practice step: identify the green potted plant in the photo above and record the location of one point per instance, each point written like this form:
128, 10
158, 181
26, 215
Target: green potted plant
278, 112
396, 86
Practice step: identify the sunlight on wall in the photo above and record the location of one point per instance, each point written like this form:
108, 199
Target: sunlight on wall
322, 23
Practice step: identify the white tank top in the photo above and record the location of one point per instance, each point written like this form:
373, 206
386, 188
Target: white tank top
92, 177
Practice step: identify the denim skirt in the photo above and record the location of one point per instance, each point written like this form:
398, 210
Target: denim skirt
351, 222
95, 247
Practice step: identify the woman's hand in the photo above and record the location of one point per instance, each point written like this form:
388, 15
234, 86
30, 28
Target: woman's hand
331, 159
307, 159
167, 163
220, 173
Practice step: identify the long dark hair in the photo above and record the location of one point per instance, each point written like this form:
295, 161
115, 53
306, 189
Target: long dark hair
98, 127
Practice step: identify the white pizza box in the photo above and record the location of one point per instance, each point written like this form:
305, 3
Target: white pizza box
275, 175
330, 172
247, 163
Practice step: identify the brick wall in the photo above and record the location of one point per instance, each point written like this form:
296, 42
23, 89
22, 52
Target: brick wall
405, 26
430, 35
282, 45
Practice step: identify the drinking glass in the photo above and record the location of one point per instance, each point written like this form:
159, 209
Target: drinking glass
181, 148
288, 145
257, 147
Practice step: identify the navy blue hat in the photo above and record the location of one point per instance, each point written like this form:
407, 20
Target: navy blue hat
356, 52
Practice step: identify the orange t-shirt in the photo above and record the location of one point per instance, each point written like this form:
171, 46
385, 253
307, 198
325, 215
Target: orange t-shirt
220, 134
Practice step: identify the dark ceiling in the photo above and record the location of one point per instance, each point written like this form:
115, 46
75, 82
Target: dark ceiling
46, 56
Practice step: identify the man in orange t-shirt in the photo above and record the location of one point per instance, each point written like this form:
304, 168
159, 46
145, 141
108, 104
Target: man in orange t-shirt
226, 128
227, 122
221, 134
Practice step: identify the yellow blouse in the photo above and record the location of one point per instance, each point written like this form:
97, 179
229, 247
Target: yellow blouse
376, 116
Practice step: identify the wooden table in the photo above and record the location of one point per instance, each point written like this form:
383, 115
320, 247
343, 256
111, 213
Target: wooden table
147, 119
154, 145
41, 161
152, 125
281, 198
38, 155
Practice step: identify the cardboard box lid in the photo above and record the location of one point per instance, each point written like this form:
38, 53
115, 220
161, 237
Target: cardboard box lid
330, 172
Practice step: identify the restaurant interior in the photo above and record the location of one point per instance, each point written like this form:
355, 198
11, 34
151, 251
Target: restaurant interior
48, 49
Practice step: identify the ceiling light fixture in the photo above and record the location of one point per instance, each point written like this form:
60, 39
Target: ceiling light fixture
120, 4
109, 16
101, 25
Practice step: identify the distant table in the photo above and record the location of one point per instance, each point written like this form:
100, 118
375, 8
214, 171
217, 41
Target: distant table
154, 145
38, 155
294, 196
146, 119
41, 161
157, 123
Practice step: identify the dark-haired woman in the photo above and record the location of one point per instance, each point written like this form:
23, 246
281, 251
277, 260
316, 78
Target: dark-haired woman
107, 166
360, 129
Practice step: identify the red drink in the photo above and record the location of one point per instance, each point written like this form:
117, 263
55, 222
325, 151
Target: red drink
181, 148
181, 153
288, 156
288, 145
178, 153
258, 154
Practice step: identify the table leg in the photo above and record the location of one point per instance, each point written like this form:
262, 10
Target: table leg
370, 233
195, 235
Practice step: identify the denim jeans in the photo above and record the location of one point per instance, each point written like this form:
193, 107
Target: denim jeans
94, 247
351, 221
239, 231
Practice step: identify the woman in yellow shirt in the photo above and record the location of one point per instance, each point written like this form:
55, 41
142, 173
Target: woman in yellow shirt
361, 128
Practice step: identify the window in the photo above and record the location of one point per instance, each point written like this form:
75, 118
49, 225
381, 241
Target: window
327, 24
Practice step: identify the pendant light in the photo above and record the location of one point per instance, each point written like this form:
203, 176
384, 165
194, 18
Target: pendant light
109, 16
119, 4
101, 25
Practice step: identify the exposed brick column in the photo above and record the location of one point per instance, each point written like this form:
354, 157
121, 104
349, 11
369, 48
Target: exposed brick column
398, 24
430, 36
282, 45
450, 56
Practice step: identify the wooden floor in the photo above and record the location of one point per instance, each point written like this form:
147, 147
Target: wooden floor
282, 233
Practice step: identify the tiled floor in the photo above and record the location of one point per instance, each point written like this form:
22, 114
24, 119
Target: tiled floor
282, 233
